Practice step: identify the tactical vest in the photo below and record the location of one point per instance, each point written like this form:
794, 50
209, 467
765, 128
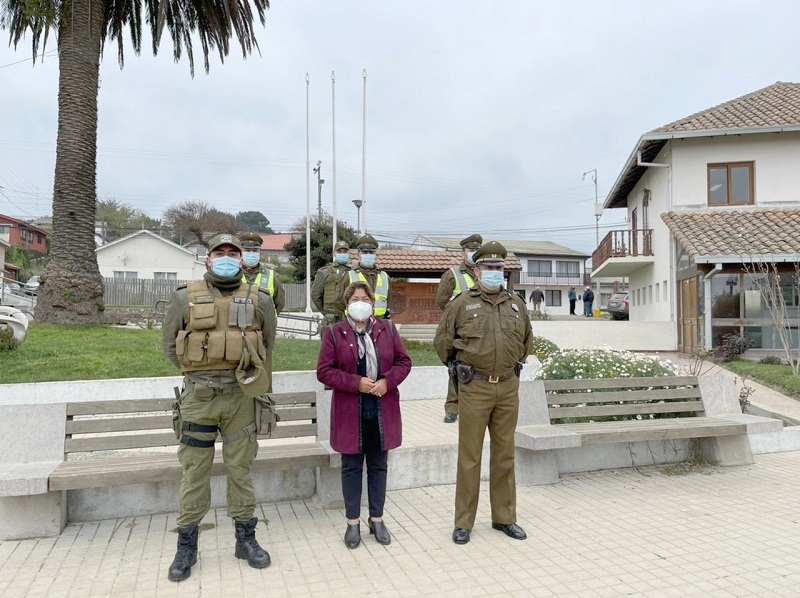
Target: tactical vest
212, 339
329, 290
381, 290
270, 281
464, 281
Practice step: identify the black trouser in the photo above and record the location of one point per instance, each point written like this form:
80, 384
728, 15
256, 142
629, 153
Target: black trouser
572, 306
352, 468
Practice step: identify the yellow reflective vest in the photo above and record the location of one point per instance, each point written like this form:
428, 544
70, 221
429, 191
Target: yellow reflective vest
381, 290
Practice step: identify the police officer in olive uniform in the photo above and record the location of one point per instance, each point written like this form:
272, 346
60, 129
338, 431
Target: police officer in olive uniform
378, 280
487, 332
203, 332
323, 289
454, 282
263, 277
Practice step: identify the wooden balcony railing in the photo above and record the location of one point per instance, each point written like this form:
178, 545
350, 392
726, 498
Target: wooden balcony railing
623, 243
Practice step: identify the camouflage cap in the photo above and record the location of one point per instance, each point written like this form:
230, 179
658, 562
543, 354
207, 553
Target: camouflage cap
224, 239
472, 242
341, 245
251, 239
491, 254
367, 242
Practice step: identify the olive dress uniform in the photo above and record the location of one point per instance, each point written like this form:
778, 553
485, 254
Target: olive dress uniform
378, 281
492, 333
323, 289
264, 277
454, 282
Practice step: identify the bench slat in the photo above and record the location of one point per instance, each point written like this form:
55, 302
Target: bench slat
663, 394
283, 430
131, 406
629, 409
659, 381
664, 429
160, 467
290, 414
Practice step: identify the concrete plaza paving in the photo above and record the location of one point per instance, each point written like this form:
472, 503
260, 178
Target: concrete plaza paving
650, 532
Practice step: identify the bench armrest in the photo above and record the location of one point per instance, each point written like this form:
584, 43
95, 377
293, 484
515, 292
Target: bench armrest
755, 423
336, 458
26, 479
545, 437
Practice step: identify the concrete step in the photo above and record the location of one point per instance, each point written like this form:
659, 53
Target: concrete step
417, 332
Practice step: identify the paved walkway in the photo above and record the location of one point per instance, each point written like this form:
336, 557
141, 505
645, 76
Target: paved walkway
649, 532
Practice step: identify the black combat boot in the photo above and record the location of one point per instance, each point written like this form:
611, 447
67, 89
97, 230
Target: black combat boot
247, 546
181, 567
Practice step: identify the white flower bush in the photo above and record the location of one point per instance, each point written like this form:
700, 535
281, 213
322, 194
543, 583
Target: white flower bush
601, 362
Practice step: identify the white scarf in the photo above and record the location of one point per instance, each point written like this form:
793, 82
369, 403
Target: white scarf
366, 347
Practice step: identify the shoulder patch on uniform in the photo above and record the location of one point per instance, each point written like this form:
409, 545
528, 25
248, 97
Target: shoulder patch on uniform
514, 306
204, 299
472, 306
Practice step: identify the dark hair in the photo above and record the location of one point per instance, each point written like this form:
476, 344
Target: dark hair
353, 287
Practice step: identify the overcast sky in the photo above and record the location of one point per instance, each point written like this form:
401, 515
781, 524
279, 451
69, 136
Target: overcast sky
481, 116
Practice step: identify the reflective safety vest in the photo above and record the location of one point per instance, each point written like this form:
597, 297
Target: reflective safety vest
269, 279
381, 290
464, 281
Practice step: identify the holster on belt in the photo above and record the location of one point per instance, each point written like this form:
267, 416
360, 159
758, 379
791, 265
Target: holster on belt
464, 373
266, 417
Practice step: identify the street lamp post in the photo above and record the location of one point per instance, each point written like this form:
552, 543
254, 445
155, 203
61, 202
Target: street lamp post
320, 182
358, 203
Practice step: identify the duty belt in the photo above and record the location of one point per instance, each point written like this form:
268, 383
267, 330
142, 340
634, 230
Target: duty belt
225, 379
493, 379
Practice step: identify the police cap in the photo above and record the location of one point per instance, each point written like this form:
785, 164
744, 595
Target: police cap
367, 242
341, 245
472, 242
218, 241
491, 254
251, 240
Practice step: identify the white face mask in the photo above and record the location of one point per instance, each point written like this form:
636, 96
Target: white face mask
360, 311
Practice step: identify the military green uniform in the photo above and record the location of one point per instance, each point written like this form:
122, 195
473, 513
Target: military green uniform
492, 333
378, 280
454, 282
268, 280
199, 339
323, 289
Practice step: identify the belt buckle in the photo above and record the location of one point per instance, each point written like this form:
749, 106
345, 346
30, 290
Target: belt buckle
494, 379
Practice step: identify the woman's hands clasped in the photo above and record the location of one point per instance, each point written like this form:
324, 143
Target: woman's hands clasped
369, 386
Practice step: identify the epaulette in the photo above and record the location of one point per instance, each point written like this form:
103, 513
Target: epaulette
181, 287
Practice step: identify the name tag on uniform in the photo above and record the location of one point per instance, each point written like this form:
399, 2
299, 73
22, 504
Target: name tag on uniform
515, 307
204, 299
473, 306
242, 300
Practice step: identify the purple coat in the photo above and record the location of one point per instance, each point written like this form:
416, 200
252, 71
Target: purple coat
337, 367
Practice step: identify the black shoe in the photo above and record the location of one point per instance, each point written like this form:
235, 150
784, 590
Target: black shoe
247, 546
352, 537
512, 530
379, 530
186, 556
450, 418
460, 535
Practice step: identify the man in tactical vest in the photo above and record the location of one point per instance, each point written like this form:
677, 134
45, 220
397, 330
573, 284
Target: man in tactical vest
323, 290
486, 332
454, 282
260, 277
378, 280
204, 333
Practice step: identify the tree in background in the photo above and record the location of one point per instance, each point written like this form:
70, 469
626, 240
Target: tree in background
253, 221
119, 219
72, 289
196, 221
321, 243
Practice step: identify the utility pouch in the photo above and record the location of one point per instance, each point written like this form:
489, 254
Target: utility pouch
177, 420
251, 374
203, 393
203, 316
266, 417
451, 368
464, 373
518, 369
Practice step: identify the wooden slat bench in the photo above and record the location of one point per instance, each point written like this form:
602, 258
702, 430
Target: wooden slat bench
589, 412
111, 443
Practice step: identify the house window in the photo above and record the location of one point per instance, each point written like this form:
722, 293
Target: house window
730, 184
39, 239
552, 298
119, 275
541, 268
658, 292
567, 270
165, 276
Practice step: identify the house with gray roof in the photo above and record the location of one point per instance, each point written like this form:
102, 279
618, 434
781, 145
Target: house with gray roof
713, 204
547, 265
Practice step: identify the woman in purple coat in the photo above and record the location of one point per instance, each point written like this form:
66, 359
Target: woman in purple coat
363, 359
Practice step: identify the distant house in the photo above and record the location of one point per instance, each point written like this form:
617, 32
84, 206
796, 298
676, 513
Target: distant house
19, 232
146, 255
3, 246
274, 247
544, 264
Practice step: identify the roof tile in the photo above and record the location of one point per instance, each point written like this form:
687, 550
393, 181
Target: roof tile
410, 260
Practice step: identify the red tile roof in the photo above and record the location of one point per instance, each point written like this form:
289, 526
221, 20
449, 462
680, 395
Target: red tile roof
410, 260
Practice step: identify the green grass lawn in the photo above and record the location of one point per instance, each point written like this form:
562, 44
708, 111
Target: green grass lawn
54, 352
777, 377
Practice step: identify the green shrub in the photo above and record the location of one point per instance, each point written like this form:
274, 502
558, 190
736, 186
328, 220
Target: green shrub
543, 348
7, 340
771, 360
601, 362
733, 346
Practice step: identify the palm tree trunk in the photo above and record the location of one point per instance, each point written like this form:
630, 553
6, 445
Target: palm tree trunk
71, 290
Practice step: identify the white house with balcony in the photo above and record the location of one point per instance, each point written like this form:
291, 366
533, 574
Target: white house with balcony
713, 203
547, 265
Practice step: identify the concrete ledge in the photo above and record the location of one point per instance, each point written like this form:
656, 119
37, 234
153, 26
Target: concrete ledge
25, 479
787, 439
545, 437
757, 424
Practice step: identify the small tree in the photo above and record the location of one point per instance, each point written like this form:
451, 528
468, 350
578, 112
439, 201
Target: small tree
253, 221
196, 220
321, 243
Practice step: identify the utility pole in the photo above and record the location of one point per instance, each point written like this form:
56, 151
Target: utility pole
598, 211
320, 182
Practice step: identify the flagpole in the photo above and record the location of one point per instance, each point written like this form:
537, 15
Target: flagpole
364, 157
308, 207
333, 163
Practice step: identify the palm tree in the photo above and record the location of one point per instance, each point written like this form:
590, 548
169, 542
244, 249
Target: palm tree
72, 288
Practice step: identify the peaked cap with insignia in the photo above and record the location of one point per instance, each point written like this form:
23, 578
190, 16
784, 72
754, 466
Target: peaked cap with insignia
491, 254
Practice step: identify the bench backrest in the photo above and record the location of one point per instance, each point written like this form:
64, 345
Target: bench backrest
146, 423
611, 399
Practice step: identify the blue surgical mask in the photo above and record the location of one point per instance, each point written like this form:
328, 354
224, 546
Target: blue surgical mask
470, 255
492, 279
341, 258
368, 260
251, 258
225, 267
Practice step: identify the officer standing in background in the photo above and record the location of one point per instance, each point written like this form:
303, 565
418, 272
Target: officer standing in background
204, 319
261, 277
487, 331
378, 280
454, 282
323, 290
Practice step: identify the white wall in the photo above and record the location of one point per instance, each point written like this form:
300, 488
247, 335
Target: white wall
145, 255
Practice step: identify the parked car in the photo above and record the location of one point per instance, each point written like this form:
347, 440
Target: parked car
618, 306
32, 286
11, 287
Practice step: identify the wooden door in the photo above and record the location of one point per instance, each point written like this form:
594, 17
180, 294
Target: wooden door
689, 319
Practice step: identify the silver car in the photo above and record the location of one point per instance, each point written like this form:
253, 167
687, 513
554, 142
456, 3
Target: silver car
618, 306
